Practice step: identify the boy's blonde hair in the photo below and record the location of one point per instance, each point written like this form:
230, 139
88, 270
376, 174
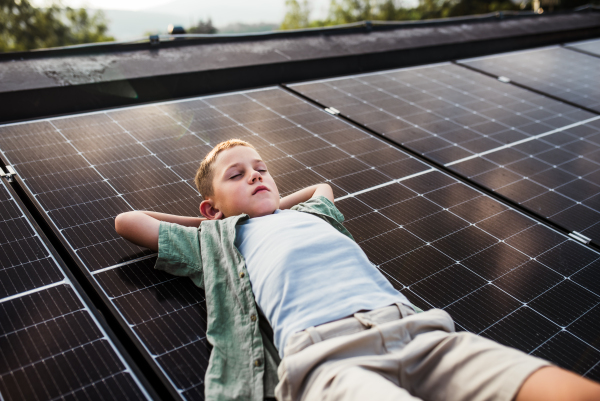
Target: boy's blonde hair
204, 175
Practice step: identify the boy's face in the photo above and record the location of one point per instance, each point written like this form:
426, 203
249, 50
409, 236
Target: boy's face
241, 184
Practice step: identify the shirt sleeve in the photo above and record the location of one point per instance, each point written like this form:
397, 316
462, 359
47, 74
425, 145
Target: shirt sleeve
321, 205
179, 252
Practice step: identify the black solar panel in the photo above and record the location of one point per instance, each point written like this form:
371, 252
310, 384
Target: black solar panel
52, 347
590, 46
83, 171
555, 176
444, 112
497, 272
557, 71
439, 241
550, 172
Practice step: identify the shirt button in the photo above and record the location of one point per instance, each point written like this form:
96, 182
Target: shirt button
257, 363
253, 317
242, 274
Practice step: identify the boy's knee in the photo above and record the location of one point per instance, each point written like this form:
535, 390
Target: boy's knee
119, 221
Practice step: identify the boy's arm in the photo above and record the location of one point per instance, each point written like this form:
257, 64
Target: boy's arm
305, 194
141, 227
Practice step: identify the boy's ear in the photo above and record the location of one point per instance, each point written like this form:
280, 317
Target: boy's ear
209, 211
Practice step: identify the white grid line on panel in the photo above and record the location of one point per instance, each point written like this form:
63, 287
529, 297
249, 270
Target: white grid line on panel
385, 184
124, 263
510, 53
38, 289
322, 138
510, 145
465, 107
564, 329
591, 369
90, 164
558, 71
477, 274
66, 281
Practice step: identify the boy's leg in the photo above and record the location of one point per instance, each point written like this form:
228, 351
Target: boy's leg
552, 383
421, 354
356, 383
341, 360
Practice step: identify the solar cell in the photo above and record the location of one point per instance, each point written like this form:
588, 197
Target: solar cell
557, 71
555, 176
550, 172
51, 345
491, 267
444, 112
427, 232
590, 46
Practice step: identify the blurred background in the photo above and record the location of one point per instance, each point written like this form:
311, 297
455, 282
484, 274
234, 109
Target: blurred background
35, 24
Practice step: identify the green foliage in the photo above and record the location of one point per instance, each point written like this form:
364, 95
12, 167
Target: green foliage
348, 11
203, 27
297, 14
239, 27
85, 28
470, 7
25, 27
345, 11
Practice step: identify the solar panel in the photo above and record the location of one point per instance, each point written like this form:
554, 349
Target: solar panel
444, 112
557, 184
590, 46
51, 345
497, 272
557, 71
554, 176
82, 172
439, 241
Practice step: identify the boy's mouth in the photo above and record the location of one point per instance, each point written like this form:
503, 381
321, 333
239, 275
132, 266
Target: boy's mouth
259, 189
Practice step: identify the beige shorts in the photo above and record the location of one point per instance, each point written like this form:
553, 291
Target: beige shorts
394, 354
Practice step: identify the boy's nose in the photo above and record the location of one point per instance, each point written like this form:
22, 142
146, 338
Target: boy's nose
255, 176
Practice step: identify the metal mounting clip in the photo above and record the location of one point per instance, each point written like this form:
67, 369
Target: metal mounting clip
333, 111
154, 40
10, 173
503, 79
580, 237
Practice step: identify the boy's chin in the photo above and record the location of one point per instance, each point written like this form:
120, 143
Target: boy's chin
263, 210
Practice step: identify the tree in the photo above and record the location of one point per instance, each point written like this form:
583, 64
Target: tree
86, 28
203, 27
470, 7
348, 11
297, 14
25, 27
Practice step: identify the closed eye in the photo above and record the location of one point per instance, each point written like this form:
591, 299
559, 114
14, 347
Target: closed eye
234, 176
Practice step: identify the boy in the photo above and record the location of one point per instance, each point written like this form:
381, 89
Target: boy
292, 262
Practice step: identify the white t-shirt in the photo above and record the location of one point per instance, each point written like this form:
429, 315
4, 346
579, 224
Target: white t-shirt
304, 272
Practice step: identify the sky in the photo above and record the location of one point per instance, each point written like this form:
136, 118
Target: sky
110, 4
131, 19
137, 5
222, 12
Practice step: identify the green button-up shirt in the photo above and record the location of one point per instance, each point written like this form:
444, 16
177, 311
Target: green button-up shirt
243, 363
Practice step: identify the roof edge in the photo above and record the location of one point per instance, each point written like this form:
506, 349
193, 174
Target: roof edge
167, 41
